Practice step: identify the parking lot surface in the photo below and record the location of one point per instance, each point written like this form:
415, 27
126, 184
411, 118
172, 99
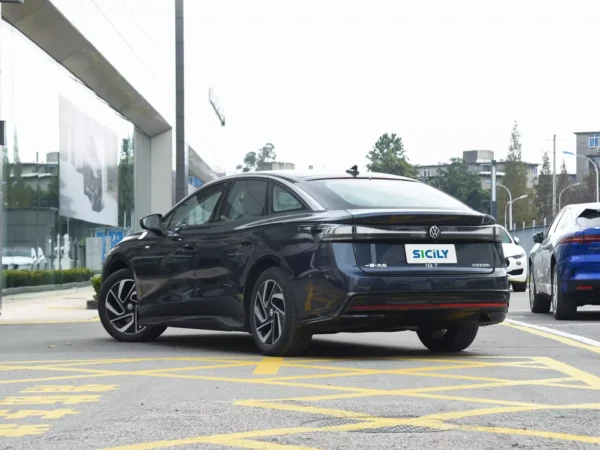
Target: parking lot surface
70, 386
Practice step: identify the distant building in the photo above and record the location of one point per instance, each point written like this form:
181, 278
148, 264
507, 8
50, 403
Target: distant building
587, 144
480, 163
277, 165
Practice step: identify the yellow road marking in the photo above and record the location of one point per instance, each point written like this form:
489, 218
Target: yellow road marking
272, 365
12, 430
222, 439
268, 366
68, 388
554, 337
41, 413
50, 400
578, 374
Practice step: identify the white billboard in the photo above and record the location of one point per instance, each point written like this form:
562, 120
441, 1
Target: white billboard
89, 154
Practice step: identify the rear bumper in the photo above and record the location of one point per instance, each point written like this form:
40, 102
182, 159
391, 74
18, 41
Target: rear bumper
584, 292
580, 281
414, 311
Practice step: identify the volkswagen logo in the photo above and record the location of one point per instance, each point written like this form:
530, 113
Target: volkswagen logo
434, 232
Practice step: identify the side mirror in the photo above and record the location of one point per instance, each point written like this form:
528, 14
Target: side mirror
538, 238
517, 240
153, 223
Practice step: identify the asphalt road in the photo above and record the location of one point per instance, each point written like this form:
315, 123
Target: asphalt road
70, 386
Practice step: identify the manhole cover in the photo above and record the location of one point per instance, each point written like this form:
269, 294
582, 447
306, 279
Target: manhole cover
331, 423
393, 429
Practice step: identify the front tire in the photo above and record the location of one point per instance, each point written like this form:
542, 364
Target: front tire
563, 307
273, 316
537, 303
453, 339
117, 308
519, 287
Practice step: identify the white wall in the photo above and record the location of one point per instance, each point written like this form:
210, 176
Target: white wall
138, 38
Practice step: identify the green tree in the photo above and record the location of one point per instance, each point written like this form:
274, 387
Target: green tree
543, 190
126, 187
388, 156
457, 180
515, 179
256, 160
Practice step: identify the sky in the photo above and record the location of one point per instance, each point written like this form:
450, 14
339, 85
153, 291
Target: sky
323, 79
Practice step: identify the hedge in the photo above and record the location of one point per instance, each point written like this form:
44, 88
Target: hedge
97, 284
21, 278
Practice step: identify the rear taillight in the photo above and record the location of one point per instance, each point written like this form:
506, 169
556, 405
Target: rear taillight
346, 233
406, 232
579, 239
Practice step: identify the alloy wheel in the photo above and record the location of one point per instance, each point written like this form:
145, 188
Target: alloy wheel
269, 312
531, 291
554, 291
121, 307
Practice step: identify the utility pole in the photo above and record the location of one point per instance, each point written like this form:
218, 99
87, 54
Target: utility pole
493, 208
553, 175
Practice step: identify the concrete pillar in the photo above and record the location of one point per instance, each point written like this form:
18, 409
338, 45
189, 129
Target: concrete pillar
181, 149
153, 174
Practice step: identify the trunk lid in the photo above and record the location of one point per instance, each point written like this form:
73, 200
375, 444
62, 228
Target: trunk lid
425, 242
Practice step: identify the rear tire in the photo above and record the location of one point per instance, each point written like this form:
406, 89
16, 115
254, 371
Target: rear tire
564, 308
273, 316
519, 287
537, 303
117, 308
453, 339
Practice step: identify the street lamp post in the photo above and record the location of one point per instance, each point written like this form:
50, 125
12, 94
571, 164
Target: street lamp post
595, 168
561, 192
509, 202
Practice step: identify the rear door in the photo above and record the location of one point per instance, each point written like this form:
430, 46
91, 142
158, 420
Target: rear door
227, 248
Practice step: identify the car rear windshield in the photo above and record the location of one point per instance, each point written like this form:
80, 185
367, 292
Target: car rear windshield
589, 218
381, 194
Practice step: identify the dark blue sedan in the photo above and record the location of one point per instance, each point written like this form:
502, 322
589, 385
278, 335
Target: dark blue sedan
565, 266
284, 256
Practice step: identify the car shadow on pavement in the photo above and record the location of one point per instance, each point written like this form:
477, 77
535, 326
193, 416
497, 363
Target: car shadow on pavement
241, 343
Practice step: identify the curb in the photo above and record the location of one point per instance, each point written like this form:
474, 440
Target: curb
45, 288
92, 304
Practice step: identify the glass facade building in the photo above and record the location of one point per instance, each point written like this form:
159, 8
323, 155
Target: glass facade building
89, 110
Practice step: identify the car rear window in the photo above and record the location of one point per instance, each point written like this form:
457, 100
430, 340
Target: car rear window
589, 218
382, 194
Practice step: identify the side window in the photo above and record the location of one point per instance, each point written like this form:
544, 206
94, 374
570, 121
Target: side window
197, 209
283, 200
565, 220
247, 199
554, 225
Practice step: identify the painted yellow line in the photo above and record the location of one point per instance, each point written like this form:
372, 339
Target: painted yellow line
574, 372
268, 366
221, 439
266, 404
554, 337
533, 433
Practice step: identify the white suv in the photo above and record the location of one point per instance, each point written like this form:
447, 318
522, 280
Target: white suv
516, 261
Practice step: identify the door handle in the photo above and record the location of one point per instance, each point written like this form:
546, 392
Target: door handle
244, 244
188, 247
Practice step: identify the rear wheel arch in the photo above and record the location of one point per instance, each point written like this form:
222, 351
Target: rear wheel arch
252, 276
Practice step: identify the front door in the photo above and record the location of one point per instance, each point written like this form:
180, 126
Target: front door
166, 266
227, 248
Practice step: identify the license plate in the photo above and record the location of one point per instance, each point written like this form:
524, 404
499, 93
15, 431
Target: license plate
430, 254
